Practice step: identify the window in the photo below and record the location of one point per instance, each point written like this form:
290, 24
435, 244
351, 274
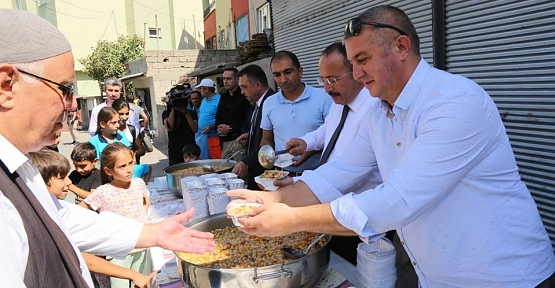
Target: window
152, 33
241, 30
19, 4
211, 43
263, 17
42, 2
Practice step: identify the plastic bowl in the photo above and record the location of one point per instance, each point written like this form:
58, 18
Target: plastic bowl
267, 183
235, 216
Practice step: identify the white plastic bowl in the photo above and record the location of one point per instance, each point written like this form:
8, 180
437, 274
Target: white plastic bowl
235, 217
267, 183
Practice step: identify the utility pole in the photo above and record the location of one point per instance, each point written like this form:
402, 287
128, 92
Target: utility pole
144, 38
157, 33
195, 28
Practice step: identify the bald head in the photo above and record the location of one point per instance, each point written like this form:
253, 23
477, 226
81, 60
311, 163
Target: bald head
27, 37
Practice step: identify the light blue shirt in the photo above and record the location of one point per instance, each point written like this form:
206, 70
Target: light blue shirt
293, 119
207, 113
100, 143
451, 187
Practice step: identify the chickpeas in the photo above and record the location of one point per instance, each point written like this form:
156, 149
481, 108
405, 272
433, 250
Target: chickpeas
235, 249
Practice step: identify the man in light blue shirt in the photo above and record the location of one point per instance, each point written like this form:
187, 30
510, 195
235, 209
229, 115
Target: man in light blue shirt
207, 119
295, 110
451, 184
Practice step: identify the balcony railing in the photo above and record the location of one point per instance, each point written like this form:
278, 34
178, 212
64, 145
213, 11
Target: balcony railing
210, 8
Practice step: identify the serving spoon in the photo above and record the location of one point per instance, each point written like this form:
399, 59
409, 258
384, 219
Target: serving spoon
210, 169
292, 253
267, 156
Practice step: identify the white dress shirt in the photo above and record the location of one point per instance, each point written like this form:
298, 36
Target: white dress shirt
319, 138
451, 187
91, 232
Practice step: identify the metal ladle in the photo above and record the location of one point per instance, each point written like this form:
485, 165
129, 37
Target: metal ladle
210, 169
267, 156
292, 253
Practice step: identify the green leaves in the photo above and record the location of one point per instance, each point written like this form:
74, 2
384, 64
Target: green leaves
108, 59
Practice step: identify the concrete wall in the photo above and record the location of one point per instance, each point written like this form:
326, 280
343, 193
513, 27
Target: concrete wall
189, 28
225, 28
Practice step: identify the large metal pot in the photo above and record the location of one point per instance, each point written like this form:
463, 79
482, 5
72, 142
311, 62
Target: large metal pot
174, 181
303, 272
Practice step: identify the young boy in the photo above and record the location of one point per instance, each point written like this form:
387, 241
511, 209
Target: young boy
190, 152
86, 176
53, 168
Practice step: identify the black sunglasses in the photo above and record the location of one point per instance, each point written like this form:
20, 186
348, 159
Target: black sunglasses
354, 25
67, 90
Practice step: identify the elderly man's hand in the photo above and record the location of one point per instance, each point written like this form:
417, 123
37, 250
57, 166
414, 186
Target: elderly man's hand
172, 235
273, 219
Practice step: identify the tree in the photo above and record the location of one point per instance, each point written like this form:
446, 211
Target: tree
108, 59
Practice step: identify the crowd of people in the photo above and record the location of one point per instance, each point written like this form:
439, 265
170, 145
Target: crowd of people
409, 164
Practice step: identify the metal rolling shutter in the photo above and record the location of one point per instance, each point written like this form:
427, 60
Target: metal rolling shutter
508, 47
307, 27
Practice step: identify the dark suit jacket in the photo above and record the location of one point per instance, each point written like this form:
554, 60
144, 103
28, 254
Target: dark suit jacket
251, 159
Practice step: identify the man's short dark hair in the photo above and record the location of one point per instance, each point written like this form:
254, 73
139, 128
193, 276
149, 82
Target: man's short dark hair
255, 74
83, 152
232, 69
284, 54
338, 48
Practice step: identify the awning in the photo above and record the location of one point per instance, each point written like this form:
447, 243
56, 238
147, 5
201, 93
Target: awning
212, 69
131, 76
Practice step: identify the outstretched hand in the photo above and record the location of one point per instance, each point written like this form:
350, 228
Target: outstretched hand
143, 281
172, 235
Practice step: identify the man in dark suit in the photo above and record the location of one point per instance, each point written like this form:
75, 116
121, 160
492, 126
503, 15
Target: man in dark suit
254, 85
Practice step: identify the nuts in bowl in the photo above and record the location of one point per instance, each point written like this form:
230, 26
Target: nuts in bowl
239, 210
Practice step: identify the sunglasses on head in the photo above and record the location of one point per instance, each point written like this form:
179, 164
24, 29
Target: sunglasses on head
354, 25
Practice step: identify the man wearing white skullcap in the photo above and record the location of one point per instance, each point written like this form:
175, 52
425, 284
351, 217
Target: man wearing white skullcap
39, 235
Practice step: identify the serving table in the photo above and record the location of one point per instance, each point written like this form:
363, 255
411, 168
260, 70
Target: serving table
340, 274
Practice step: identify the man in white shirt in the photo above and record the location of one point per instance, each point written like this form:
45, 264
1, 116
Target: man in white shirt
451, 186
37, 80
352, 104
112, 88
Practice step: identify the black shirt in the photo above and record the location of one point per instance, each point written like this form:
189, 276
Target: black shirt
87, 183
180, 135
232, 110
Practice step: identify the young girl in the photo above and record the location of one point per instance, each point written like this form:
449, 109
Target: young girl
133, 136
107, 131
54, 169
121, 194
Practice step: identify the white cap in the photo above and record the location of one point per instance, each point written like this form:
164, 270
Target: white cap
206, 83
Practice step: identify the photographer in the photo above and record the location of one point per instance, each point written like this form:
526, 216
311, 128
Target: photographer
180, 122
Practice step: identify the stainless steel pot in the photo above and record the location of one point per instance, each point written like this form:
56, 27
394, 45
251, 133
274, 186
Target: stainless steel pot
303, 272
174, 181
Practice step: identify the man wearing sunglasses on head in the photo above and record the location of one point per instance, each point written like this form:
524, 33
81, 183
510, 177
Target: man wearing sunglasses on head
451, 186
41, 237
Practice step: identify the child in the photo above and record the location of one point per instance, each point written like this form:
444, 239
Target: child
133, 136
191, 152
53, 168
121, 194
86, 176
107, 131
